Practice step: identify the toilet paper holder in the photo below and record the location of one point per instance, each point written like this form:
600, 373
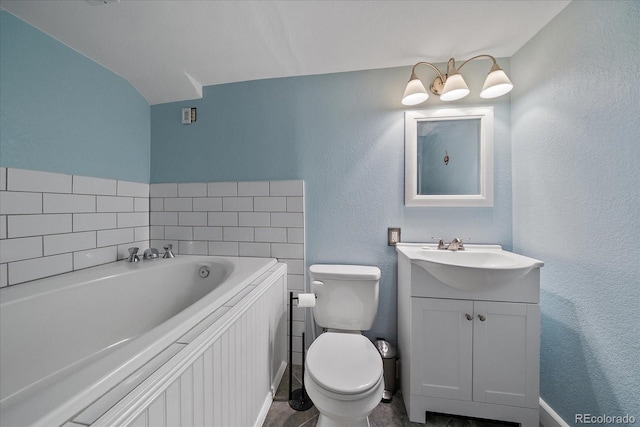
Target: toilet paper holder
298, 399
306, 300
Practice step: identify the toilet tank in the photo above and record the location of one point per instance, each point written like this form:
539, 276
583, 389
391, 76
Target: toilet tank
346, 296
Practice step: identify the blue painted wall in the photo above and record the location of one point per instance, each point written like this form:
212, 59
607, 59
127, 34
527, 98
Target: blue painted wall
343, 134
576, 202
62, 112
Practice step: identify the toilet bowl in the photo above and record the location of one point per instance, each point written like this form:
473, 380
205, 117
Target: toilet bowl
344, 379
343, 369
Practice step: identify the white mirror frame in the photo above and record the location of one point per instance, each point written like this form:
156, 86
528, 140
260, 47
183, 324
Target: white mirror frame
412, 118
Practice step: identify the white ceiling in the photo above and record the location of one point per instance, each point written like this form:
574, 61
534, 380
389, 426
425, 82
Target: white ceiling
169, 49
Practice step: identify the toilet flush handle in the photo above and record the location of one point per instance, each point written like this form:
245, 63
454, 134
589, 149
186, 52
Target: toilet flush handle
318, 283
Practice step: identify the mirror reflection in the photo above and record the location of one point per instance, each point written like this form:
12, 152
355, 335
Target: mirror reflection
449, 157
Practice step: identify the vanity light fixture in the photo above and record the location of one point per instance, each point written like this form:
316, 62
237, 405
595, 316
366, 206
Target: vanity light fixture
451, 86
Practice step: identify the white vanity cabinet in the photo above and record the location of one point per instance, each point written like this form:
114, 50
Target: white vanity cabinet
460, 356
471, 353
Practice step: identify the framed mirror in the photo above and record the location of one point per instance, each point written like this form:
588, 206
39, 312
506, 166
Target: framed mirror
449, 157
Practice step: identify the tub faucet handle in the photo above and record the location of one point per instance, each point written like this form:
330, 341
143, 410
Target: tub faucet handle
133, 255
168, 251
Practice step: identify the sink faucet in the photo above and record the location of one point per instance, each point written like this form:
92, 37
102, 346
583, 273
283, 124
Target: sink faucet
456, 245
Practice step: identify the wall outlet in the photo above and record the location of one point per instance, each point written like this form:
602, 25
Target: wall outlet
393, 236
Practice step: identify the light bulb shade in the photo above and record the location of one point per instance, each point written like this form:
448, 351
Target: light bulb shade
496, 84
414, 93
454, 88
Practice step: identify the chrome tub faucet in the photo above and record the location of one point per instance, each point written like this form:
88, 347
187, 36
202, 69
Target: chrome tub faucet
151, 253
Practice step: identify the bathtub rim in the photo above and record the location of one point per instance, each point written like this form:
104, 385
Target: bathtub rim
48, 285
53, 404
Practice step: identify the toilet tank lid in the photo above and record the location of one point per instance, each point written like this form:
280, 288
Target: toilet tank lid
345, 272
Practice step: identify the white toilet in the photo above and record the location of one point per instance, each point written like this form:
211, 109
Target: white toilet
343, 370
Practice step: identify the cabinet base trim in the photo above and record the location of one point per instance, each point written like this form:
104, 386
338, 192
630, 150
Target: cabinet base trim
418, 405
549, 417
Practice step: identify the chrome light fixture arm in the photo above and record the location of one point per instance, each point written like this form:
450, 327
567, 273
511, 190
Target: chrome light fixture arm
475, 57
413, 70
451, 86
436, 84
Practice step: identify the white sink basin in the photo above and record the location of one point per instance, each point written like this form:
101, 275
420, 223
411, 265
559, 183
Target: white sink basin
475, 268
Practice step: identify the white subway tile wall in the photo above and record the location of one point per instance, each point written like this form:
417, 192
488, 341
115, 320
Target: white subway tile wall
52, 223
263, 218
256, 219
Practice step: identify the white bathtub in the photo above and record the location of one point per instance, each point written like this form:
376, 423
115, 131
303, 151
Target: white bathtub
76, 345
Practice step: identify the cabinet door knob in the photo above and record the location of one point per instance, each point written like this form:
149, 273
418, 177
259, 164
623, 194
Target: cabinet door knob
481, 317
468, 316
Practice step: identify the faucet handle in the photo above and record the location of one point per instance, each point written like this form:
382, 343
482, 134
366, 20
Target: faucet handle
441, 244
460, 242
133, 255
168, 251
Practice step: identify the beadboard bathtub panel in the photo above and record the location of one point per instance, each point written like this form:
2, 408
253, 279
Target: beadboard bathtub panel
226, 376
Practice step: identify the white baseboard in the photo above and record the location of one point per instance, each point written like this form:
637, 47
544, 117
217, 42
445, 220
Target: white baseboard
549, 417
276, 381
268, 400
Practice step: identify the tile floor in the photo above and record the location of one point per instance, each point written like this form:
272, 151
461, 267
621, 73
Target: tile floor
385, 415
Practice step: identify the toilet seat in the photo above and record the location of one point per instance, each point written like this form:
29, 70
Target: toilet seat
344, 364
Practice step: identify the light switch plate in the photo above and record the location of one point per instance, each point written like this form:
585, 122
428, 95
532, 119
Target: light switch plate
186, 116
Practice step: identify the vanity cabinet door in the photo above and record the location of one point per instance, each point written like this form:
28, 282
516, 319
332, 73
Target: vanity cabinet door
506, 345
441, 357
